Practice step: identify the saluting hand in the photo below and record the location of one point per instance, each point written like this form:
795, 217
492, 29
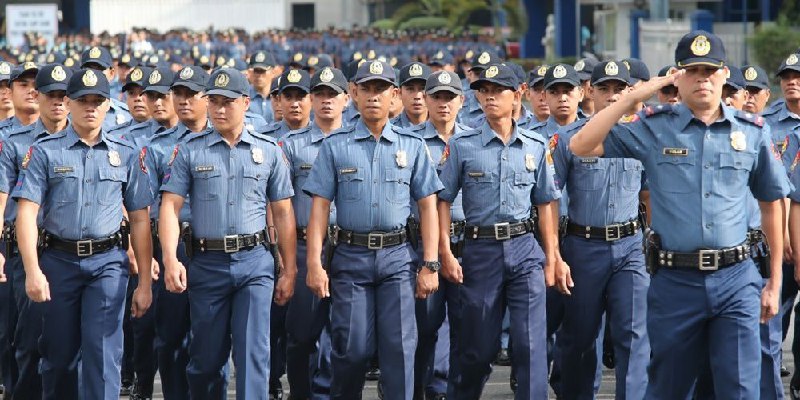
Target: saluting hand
427, 283
36, 287
175, 276
645, 91
451, 269
317, 280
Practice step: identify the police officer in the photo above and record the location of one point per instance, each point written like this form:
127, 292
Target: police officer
584, 68
436, 356
22, 81
6, 103
502, 262
98, 58
160, 104
412, 78
734, 93
563, 93
295, 103
232, 175
701, 159
135, 98
51, 85
472, 108
261, 73
783, 117
307, 315
171, 310
605, 252
372, 275
667, 94
535, 94
82, 178
757, 85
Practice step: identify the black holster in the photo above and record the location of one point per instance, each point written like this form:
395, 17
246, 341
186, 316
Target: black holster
272, 246
124, 235
9, 238
760, 252
652, 245
457, 248
186, 238
329, 247
412, 228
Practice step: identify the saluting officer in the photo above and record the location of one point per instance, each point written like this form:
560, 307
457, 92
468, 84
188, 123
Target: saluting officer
373, 170
307, 314
502, 172
232, 175
51, 85
604, 250
83, 180
702, 161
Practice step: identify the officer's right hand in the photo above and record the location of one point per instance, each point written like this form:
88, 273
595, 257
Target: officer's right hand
175, 276
451, 269
648, 89
563, 277
36, 287
317, 280
3, 268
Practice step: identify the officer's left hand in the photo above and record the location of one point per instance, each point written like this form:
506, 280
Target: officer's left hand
284, 289
427, 283
769, 301
155, 269
563, 277
142, 298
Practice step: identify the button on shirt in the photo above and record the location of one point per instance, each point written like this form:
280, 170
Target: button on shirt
12, 152
230, 188
156, 156
301, 148
602, 191
437, 148
372, 181
82, 189
498, 180
696, 174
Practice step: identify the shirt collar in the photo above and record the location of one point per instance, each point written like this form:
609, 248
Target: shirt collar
362, 132
487, 134
216, 137
685, 115
316, 134
784, 113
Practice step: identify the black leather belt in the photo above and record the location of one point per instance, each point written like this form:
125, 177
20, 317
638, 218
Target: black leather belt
501, 231
372, 240
608, 233
230, 243
456, 229
704, 260
302, 232
83, 248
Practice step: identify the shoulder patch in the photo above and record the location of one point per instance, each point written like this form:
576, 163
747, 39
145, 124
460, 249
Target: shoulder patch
27, 159
174, 155
629, 118
653, 110
189, 138
553, 143
120, 140
54, 136
142, 156
754, 119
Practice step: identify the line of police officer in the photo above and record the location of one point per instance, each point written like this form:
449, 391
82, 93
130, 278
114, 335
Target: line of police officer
415, 195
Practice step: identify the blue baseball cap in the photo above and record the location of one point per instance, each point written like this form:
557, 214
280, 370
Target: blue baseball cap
160, 80
413, 71
498, 74
610, 71
88, 81
329, 77
735, 78
700, 48
192, 77
97, 55
52, 77
227, 82
375, 70
755, 76
638, 70
137, 77
295, 78
561, 73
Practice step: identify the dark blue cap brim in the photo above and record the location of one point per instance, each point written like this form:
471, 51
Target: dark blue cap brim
98, 62
157, 89
733, 85
561, 80
191, 85
376, 78
759, 85
584, 76
535, 81
785, 68
610, 78
129, 84
296, 86
444, 88
331, 85
86, 92
413, 78
53, 87
260, 65
711, 62
478, 82
5, 77
224, 92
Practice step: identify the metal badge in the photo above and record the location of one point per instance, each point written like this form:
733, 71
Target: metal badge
113, 158
738, 141
401, 159
530, 162
120, 119
700, 46
257, 154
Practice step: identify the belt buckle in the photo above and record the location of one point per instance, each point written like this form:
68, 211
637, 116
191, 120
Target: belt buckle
502, 231
84, 248
374, 241
613, 232
231, 243
708, 260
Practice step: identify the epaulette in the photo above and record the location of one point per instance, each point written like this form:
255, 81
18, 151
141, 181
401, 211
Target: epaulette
467, 133
22, 129
265, 137
57, 135
140, 125
754, 119
121, 141
346, 129
462, 127
125, 125
120, 104
165, 132
5, 123
270, 128
649, 111
573, 126
417, 128
771, 110
191, 138
298, 131
532, 135
536, 125
404, 131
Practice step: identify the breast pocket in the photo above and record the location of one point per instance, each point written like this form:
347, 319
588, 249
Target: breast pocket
254, 183
398, 183
206, 184
300, 175
675, 173
64, 186
350, 186
632, 175
588, 175
734, 173
110, 185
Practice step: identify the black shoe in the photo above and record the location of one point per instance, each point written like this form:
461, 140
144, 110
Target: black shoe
513, 382
438, 396
503, 358
125, 389
138, 392
373, 374
794, 387
784, 371
276, 392
608, 358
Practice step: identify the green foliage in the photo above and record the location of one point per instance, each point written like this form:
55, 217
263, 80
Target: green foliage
384, 24
772, 43
424, 23
451, 14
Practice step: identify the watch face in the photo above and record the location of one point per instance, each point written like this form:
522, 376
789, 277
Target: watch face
432, 265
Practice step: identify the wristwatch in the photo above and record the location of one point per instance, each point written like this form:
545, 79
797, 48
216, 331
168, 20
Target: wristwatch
434, 266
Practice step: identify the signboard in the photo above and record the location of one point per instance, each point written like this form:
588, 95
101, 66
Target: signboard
24, 18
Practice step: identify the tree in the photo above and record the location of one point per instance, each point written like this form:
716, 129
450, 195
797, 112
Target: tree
772, 43
453, 13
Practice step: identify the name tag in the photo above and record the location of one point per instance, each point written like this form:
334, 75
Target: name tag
476, 174
63, 169
671, 151
204, 168
592, 160
305, 166
347, 170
